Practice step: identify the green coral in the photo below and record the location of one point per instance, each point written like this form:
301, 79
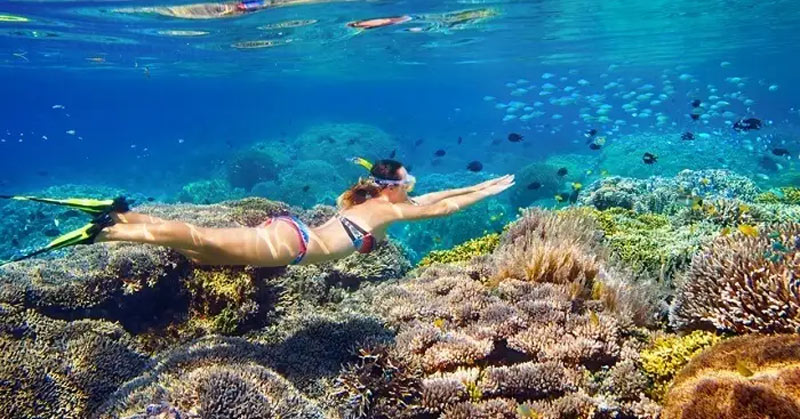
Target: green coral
464, 251
785, 195
221, 299
666, 355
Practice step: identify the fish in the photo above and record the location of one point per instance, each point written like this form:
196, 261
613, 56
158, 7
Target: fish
534, 186
576, 186
439, 153
58, 106
418, 142
306, 188
51, 232
687, 136
696, 103
460, 140
559, 197
71, 131
590, 133
593, 318
781, 152
747, 124
393, 154
474, 166
725, 231
150, 199
748, 230
562, 172
742, 369
514, 137
594, 146
649, 158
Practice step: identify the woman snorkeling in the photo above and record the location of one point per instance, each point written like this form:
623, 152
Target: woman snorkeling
366, 210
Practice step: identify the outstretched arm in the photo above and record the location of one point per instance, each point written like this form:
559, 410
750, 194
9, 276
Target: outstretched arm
434, 197
451, 204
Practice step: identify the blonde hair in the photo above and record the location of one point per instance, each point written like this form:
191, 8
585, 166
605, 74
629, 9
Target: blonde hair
359, 193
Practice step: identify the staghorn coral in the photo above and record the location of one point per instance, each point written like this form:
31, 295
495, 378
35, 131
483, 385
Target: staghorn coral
211, 377
53, 368
666, 355
463, 252
744, 284
743, 377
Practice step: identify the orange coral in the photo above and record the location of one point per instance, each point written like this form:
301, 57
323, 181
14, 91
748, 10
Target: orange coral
750, 376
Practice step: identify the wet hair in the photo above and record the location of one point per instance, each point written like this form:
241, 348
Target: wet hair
367, 188
386, 169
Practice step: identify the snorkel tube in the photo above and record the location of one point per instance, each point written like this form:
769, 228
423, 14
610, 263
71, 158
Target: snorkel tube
409, 181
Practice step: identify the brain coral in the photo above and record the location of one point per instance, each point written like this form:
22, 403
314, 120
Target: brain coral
213, 378
744, 284
750, 376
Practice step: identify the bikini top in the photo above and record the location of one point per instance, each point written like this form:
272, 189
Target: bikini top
363, 240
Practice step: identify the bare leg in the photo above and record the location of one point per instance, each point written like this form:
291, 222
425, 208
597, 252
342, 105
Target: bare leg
131, 217
273, 245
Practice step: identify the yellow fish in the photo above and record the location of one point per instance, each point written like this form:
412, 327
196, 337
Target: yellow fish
600, 140
604, 172
576, 186
743, 208
438, 323
711, 210
725, 231
593, 318
748, 230
696, 207
559, 198
705, 181
743, 370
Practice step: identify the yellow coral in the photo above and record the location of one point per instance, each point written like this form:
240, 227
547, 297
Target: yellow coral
666, 355
463, 252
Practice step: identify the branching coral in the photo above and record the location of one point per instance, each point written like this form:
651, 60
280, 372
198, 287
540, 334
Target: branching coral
744, 377
785, 195
666, 355
463, 252
744, 284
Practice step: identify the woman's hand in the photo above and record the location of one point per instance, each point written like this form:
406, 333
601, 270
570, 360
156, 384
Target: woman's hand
499, 185
490, 182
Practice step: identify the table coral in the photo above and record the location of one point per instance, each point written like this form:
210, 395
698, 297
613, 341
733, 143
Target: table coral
54, 368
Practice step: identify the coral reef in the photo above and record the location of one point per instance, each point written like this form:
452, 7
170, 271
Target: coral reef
463, 252
650, 242
473, 340
52, 368
211, 377
250, 166
743, 377
744, 284
337, 143
543, 174
667, 195
209, 192
667, 354
785, 195
300, 184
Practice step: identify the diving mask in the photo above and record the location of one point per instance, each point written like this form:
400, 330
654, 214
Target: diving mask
409, 182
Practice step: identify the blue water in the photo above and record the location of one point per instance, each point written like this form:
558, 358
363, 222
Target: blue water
93, 96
